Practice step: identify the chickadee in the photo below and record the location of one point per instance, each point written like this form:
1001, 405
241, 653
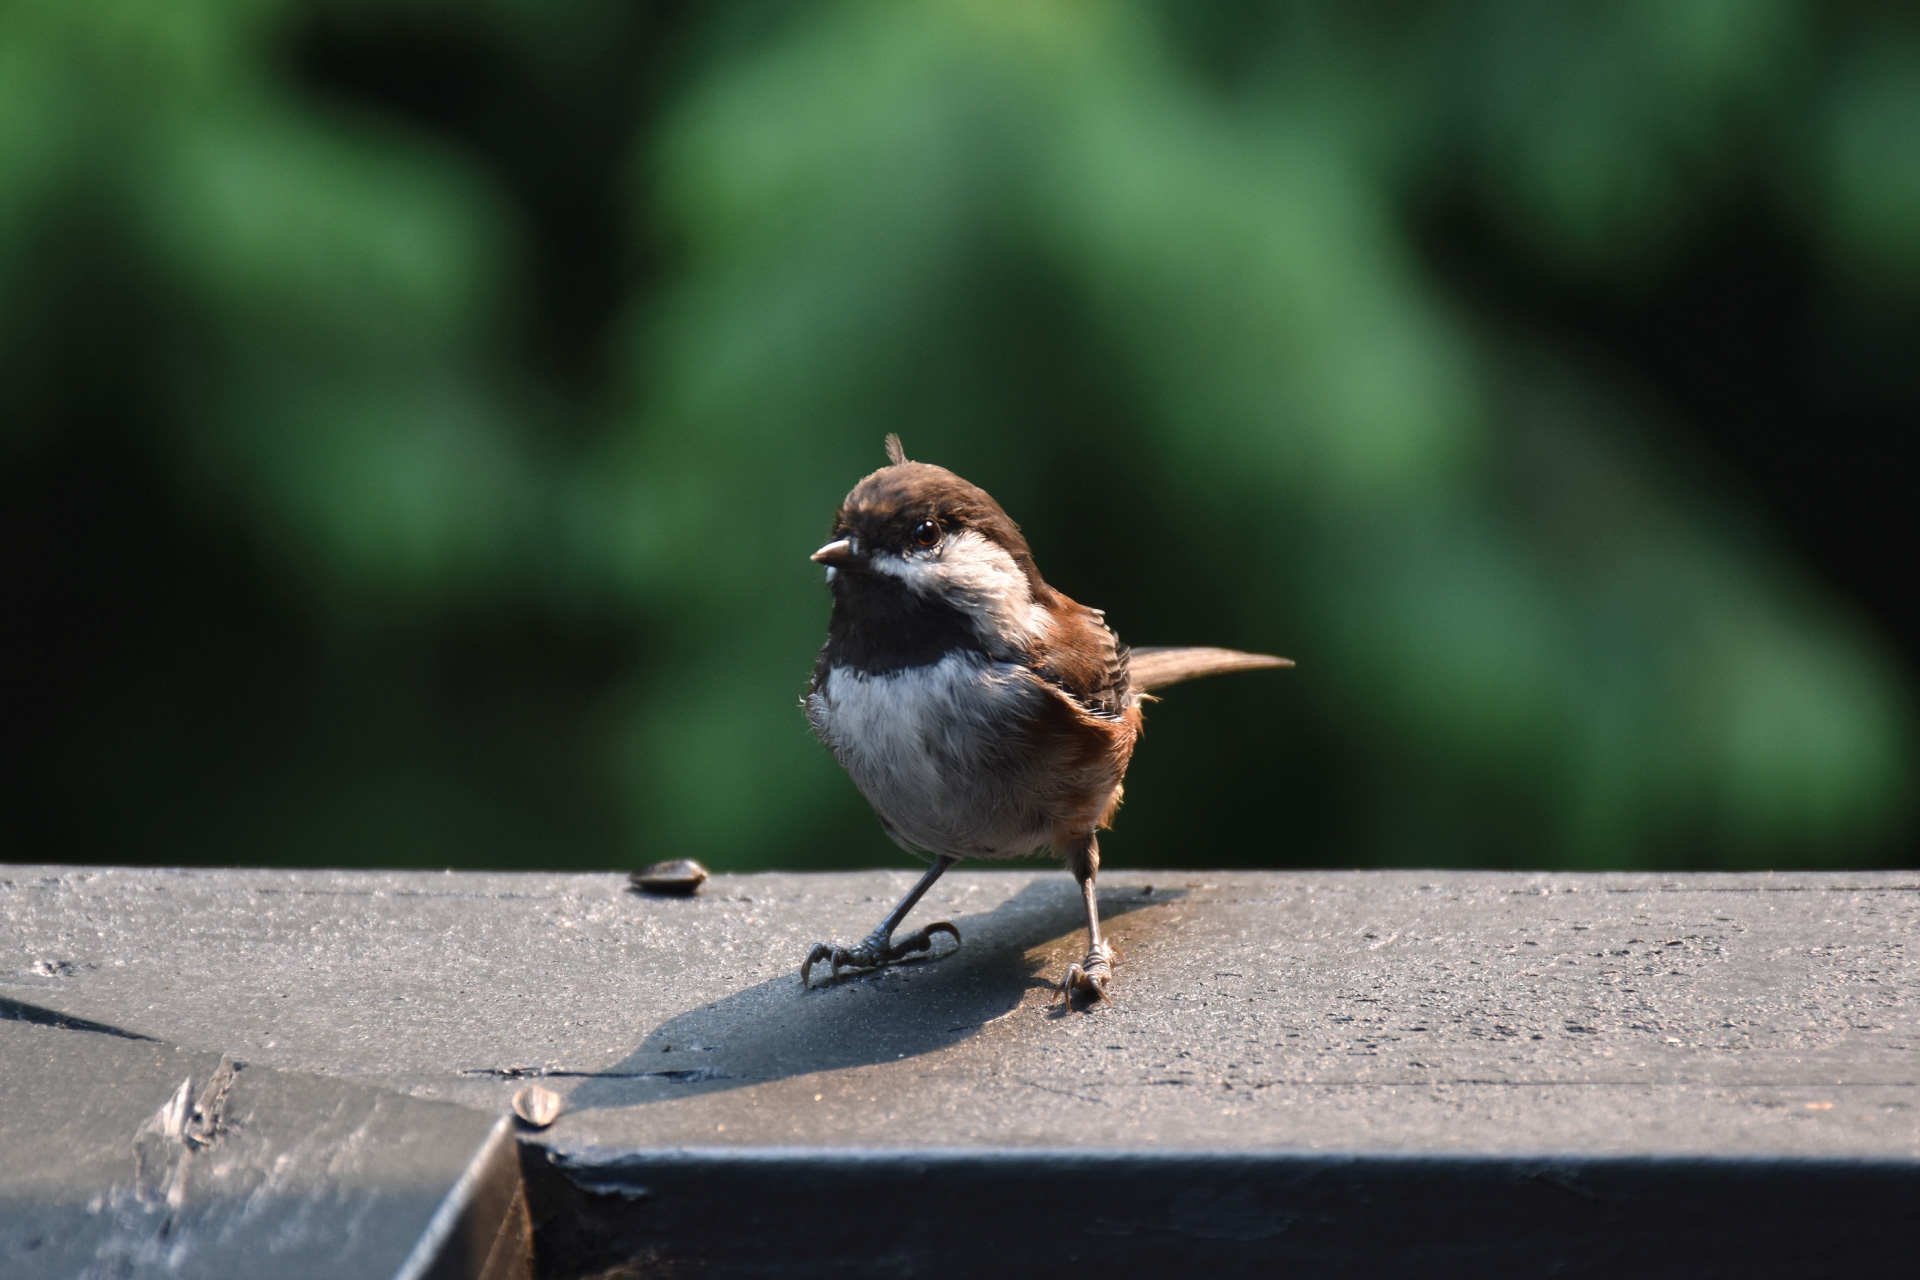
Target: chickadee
981, 713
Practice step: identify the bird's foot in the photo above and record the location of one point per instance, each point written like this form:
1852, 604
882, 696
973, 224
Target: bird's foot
875, 951
1091, 974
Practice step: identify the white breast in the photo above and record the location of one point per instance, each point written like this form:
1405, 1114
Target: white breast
933, 749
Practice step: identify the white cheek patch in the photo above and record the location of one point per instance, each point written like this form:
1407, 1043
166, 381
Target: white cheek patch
976, 574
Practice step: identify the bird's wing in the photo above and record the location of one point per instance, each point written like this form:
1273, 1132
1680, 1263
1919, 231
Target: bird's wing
1157, 668
1084, 660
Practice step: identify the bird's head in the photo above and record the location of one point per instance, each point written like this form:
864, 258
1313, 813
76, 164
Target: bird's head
919, 532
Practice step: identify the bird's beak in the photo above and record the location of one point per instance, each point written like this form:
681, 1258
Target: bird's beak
839, 551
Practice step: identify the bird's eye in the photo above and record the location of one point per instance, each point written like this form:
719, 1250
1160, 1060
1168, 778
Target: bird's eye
926, 533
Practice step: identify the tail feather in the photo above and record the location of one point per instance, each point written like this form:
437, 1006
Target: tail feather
1156, 668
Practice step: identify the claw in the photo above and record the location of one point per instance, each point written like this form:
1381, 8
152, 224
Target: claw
821, 951
1092, 975
922, 940
874, 952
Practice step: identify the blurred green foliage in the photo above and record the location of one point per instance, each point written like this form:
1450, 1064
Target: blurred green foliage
1161, 277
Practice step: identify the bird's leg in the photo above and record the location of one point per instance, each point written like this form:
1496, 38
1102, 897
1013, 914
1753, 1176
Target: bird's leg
879, 948
1093, 973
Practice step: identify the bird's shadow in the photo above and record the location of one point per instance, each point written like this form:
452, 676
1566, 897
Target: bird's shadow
777, 1030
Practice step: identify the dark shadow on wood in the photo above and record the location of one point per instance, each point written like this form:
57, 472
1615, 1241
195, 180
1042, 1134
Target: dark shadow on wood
21, 1011
777, 1030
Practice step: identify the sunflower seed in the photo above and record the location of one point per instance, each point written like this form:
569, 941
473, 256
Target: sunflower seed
681, 876
537, 1106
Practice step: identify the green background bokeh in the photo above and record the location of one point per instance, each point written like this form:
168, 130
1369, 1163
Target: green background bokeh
415, 416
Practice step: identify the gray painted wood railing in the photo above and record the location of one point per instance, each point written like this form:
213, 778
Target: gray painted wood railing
1337, 1073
